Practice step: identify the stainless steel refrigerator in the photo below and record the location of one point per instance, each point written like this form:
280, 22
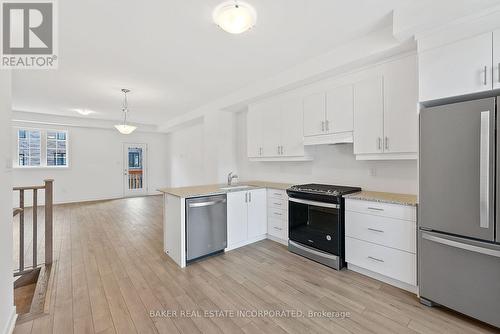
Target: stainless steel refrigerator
459, 225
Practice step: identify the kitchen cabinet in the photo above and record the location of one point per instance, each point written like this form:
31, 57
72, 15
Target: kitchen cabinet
400, 106
275, 129
314, 114
328, 116
381, 241
368, 116
255, 119
458, 68
496, 59
257, 213
246, 217
385, 112
277, 215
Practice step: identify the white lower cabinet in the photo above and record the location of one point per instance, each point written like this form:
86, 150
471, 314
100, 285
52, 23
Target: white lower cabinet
277, 215
246, 217
380, 241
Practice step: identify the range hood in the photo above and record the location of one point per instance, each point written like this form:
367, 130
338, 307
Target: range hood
329, 139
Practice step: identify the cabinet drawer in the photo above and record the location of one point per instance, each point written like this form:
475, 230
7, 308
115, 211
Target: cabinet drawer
274, 213
277, 203
382, 209
395, 233
277, 228
386, 261
277, 193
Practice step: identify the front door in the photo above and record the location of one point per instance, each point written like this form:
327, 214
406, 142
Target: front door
135, 178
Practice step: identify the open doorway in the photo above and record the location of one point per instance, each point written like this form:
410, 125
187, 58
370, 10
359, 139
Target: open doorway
135, 169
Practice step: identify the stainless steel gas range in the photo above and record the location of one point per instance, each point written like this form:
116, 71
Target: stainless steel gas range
316, 222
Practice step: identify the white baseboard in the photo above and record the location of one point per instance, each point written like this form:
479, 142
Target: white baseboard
246, 242
281, 241
385, 279
9, 326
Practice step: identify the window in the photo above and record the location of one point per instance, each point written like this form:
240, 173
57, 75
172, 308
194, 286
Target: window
42, 148
29, 147
56, 148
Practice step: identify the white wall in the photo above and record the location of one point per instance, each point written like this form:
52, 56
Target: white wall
332, 164
7, 310
96, 164
199, 158
204, 152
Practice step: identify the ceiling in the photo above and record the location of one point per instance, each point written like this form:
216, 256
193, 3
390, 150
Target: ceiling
174, 59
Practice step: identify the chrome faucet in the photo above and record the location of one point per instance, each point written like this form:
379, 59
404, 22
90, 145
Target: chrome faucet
230, 178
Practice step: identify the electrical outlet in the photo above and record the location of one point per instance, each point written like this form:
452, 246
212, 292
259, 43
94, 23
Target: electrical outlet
373, 171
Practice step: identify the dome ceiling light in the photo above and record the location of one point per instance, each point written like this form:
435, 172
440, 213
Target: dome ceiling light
235, 17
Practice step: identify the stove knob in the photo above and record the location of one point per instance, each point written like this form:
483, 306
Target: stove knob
328, 237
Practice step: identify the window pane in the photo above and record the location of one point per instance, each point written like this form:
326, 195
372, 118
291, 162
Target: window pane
29, 147
56, 148
61, 135
51, 135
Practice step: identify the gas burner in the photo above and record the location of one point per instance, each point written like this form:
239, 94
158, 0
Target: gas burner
324, 189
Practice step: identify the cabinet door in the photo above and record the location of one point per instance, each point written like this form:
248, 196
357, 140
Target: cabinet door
458, 68
257, 214
254, 131
236, 218
339, 109
314, 114
271, 128
292, 136
496, 59
400, 106
368, 116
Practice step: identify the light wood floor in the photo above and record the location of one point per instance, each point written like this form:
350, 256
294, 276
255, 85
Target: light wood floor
110, 272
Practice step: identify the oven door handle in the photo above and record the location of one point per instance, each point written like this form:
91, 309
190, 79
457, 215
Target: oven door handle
315, 203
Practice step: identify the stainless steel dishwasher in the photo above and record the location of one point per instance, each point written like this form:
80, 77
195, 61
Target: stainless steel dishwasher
206, 226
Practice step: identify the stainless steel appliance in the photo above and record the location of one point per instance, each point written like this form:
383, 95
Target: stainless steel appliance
459, 231
206, 226
316, 222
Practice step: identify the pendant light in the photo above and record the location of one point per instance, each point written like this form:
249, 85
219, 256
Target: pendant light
234, 16
124, 128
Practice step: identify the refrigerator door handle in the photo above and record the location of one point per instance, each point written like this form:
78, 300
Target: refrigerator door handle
484, 171
456, 244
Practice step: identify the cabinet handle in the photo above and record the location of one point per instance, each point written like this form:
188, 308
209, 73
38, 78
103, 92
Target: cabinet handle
277, 228
498, 72
374, 209
327, 125
375, 230
485, 73
246, 197
277, 204
386, 143
379, 143
322, 126
375, 259
278, 194
278, 214
249, 197
260, 150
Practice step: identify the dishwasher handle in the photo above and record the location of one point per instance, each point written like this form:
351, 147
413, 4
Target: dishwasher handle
203, 204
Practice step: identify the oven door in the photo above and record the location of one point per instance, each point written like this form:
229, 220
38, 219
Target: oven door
315, 224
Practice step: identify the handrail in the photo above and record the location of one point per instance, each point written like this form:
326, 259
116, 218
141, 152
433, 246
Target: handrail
49, 192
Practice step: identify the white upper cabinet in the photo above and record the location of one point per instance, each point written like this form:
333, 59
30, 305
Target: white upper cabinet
275, 129
255, 144
385, 112
400, 106
292, 138
328, 116
339, 109
459, 68
496, 59
314, 114
368, 116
